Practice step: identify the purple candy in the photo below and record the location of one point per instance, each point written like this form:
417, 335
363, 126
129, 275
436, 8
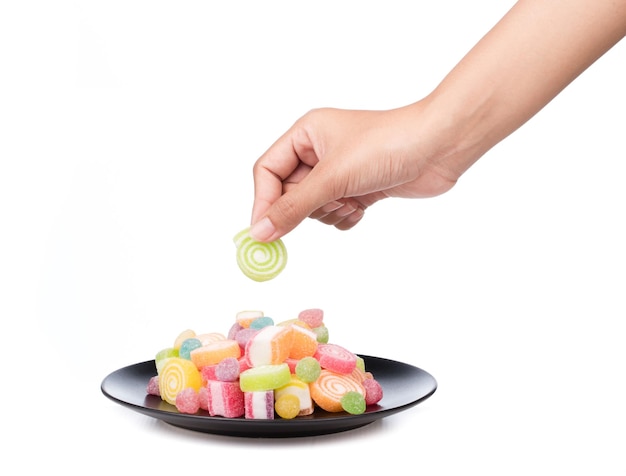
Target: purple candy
244, 335
227, 370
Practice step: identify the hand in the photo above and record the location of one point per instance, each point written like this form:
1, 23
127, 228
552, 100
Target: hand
332, 164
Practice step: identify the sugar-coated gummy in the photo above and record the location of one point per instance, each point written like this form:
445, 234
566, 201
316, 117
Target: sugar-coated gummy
187, 346
188, 401
313, 317
153, 386
322, 334
373, 391
261, 322
287, 406
203, 398
353, 403
308, 369
227, 370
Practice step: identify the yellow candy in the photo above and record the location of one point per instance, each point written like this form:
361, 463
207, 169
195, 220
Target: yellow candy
184, 335
177, 374
301, 391
287, 406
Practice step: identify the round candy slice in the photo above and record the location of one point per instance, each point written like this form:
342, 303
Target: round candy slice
264, 377
330, 387
177, 374
259, 261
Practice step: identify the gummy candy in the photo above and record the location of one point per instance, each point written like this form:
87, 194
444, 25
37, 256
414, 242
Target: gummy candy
225, 399
308, 369
301, 391
304, 342
264, 377
287, 406
186, 334
176, 375
259, 261
336, 358
213, 353
329, 387
227, 370
245, 318
353, 402
261, 322
373, 391
259, 405
188, 401
210, 337
270, 346
313, 317
153, 386
187, 346
322, 334
163, 355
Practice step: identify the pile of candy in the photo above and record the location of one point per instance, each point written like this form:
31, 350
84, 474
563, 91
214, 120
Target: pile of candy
260, 370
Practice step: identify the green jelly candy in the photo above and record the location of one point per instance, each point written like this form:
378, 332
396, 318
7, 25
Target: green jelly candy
308, 369
322, 334
264, 378
163, 355
353, 402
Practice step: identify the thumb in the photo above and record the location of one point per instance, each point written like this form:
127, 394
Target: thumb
298, 202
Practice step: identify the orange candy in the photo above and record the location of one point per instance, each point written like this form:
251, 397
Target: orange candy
304, 342
215, 352
329, 387
270, 346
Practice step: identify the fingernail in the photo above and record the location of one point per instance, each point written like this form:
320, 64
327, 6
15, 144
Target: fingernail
262, 230
346, 210
332, 206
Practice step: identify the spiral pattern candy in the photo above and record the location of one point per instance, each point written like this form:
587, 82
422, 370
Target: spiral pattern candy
177, 374
259, 261
329, 388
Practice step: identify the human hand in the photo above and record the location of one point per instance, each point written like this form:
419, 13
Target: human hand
332, 164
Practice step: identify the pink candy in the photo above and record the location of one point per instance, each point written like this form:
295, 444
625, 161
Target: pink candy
313, 317
335, 358
259, 405
188, 401
153, 386
225, 399
373, 391
227, 370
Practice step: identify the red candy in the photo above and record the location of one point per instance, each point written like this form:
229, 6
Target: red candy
225, 399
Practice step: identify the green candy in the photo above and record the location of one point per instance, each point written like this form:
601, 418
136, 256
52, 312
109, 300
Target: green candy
353, 402
163, 355
308, 369
259, 261
264, 378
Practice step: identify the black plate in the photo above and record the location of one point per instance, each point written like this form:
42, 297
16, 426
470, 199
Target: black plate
404, 386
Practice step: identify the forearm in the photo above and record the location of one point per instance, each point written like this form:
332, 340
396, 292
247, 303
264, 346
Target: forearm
534, 52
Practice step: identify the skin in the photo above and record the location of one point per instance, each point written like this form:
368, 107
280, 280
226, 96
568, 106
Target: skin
332, 164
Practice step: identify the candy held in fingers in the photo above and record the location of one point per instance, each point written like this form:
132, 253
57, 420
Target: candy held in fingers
330, 387
259, 405
259, 261
176, 375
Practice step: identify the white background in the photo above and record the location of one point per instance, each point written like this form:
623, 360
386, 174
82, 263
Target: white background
128, 131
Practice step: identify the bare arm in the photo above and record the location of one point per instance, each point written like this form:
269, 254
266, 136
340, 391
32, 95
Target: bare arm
333, 164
